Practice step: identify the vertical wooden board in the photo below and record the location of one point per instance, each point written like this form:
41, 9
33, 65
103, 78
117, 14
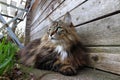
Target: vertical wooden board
48, 11
34, 8
40, 10
36, 3
102, 32
93, 9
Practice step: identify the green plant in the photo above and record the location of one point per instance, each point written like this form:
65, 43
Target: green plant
7, 56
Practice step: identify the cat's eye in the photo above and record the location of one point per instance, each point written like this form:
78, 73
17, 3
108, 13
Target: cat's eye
60, 31
49, 30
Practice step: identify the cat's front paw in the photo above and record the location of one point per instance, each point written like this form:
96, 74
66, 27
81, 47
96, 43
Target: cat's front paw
68, 71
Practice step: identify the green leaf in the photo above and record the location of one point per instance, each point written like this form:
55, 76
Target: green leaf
7, 58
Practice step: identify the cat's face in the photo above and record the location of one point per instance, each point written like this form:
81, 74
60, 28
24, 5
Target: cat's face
62, 31
57, 31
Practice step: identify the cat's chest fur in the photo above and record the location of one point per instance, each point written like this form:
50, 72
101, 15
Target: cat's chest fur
61, 51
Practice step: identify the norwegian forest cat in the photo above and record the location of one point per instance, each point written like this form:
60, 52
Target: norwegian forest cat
58, 50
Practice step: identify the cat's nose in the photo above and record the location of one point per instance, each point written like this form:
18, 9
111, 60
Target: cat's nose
51, 36
52, 33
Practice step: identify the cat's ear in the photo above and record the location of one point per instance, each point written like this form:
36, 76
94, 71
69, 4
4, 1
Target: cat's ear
67, 19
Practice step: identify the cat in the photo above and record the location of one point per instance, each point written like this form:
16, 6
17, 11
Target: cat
59, 50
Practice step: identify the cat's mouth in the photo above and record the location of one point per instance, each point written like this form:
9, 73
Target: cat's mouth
52, 38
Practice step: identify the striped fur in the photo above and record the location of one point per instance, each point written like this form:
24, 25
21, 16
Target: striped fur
58, 50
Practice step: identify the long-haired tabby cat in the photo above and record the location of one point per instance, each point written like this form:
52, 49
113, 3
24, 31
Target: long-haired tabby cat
58, 50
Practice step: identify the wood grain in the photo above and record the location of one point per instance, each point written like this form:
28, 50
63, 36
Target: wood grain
101, 37
60, 11
102, 32
93, 9
105, 58
49, 10
106, 62
77, 15
39, 10
67, 6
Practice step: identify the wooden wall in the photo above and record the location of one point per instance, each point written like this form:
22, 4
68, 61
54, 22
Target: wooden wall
97, 22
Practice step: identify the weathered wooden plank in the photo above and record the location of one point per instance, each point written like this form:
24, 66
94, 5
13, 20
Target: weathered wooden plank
105, 58
102, 32
39, 34
39, 29
84, 74
84, 10
34, 9
115, 50
36, 3
40, 9
66, 6
49, 10
105, 61
93, 9
98, 56
86, 5
73, 17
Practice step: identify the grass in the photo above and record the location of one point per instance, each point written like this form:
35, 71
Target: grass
7, 56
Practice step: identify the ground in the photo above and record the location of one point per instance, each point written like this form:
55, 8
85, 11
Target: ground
85, 74
26, 73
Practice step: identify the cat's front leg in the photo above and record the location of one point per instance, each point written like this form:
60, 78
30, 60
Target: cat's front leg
68, 70
64, 67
